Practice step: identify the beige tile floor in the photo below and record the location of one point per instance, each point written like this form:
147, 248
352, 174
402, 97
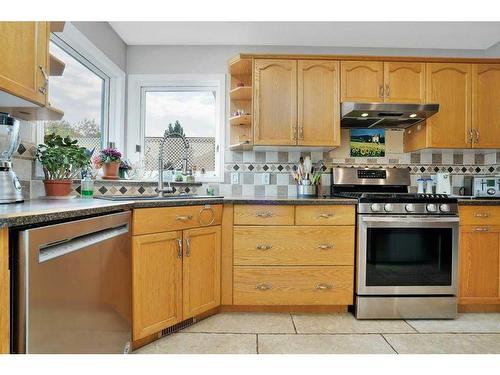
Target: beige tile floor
269, 333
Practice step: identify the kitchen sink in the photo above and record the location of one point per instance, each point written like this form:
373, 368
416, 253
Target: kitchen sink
159, 198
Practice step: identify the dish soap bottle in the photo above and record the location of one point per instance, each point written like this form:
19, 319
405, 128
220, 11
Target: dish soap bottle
87, 189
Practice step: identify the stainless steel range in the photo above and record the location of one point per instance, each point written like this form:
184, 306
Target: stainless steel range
407, 246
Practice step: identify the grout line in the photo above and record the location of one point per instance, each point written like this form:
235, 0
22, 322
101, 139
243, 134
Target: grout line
257, 343
293, 322
388, 343
416, 330
336, 333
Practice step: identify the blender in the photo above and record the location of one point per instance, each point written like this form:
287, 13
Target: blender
10, 188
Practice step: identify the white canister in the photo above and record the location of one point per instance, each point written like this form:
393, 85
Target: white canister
428, 186
420, 186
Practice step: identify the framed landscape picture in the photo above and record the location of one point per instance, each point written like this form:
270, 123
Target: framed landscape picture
367, 142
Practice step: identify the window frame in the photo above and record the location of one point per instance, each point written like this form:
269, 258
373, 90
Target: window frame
139, 84
74, 43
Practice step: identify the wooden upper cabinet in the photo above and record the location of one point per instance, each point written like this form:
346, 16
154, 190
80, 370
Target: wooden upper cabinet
362, 81
275, 102
486, 105
479, 264
318, 103
404, 82
156, 282
449, 85
201, 270
25, 60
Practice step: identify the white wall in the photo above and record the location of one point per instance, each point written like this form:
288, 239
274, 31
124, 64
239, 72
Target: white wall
106, 39
213, 59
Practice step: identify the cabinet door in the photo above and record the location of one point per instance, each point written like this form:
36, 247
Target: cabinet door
318, 103
450, 86
157, 282
404, 82
201, 270
362, 81
24, 47
486, 105
479, 264
275, 102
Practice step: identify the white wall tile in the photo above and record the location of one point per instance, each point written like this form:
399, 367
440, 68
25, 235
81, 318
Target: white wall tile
294, 156
248, 156
292, 190
248, 190
457, 180
469, 157
447, 157
282, 179
490, 158
257, 178
271, 156
271, 190
316, 156
22, 167
225, 189
426, 157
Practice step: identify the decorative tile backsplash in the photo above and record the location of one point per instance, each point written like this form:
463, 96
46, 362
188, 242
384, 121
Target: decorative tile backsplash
250, 165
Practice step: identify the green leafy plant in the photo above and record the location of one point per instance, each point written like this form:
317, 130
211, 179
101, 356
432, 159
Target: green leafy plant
62, 158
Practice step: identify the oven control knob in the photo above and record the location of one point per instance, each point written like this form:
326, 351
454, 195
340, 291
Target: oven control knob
410, 207
375, 207
491, 191
431, 207
388, 207
444, 208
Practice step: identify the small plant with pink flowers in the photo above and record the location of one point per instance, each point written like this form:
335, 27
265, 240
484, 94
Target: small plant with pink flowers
109, 159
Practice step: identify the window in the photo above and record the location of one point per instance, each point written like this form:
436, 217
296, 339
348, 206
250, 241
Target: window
193, 106
82, 92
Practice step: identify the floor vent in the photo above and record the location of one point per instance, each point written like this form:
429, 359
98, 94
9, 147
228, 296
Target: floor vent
177, 327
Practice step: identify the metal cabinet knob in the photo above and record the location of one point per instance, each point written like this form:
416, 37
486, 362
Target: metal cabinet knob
263, 287
324, 286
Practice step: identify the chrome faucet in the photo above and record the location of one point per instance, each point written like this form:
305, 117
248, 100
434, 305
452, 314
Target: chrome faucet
169, 189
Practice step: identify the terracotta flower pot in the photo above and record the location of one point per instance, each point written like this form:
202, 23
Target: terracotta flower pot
57, 188
110, 170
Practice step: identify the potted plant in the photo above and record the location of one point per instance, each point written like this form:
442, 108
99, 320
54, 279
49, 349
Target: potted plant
62, 160
109, 159
125, 167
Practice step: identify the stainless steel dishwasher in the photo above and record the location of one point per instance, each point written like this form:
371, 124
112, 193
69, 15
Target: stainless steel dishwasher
72, 288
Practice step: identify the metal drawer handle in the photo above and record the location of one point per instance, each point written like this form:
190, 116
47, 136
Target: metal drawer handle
325, 246
188, 247
179, 250
184, 218
325, 215
481, 229
482, 214
323, 286
264, 214
264, 247
263, 286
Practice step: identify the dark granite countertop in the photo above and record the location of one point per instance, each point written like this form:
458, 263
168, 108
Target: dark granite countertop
478, 201
39, 211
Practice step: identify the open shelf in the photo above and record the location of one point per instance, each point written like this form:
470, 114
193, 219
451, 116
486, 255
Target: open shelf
241, 120
241, 93
240, 66
57, 66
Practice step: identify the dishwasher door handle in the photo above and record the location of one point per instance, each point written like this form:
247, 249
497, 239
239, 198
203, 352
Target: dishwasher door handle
61, 248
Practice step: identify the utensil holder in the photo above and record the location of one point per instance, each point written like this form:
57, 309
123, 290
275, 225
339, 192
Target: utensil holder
307, 191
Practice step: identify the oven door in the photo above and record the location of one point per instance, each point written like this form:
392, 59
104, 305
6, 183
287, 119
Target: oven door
407, 255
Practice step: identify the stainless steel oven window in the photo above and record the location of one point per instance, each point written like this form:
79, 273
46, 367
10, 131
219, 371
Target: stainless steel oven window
401, 221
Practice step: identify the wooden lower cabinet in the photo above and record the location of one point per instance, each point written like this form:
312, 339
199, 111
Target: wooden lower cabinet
175, 276
201, 270
157, 282
479, 264
293, 285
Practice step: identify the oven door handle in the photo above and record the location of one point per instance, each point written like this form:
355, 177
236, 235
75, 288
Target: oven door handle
412, 219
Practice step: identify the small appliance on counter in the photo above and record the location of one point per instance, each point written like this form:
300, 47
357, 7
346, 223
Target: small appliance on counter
482, 186
443, 183
10, 188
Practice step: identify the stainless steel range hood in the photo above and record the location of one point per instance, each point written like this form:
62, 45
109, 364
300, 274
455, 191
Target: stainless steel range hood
384, 115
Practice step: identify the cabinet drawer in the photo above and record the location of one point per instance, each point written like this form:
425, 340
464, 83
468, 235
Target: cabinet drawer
300, 245
162, 219
293, 285
263, 214
325, 215
479, 215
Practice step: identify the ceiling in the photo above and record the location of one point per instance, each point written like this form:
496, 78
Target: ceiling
439, 35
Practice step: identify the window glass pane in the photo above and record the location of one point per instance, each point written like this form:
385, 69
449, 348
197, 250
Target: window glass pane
79, 93
195, 112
